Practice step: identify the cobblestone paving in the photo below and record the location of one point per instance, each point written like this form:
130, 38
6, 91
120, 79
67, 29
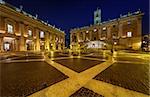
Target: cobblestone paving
78, 64
84, 92
56, 55
4, 58
131, 59
20, 79
99, 57
22, 56
29, 57
130, 76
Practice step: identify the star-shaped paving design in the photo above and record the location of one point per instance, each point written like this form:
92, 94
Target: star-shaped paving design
84, 79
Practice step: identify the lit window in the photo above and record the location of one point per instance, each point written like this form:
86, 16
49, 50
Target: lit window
129, 34
129, 22
144, 41
41, 34
29, 32
115, 43
95, 30
56, 39
104, 28
9, 28
6, 46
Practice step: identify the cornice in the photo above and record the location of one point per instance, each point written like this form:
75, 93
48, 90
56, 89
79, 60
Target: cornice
13, 14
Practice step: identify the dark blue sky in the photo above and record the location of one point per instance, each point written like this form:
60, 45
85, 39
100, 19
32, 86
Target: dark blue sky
68, 14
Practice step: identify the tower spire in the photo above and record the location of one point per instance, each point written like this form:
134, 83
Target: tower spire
97, 16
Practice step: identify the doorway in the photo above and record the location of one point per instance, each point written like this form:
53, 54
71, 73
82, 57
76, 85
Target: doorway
9, 44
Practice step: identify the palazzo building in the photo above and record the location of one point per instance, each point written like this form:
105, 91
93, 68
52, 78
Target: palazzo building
20, 31
124, 32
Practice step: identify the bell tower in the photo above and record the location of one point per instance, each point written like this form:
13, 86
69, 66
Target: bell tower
97, 16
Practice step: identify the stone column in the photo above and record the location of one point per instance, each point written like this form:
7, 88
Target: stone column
120, 29
90, 34
37, 41
83, 36
54, 42
34, 39
70, 38
59, 46
59, 43
109, 34
2, 23
139, 26
99, 33
2, 28
1, 45
50, 40
63, 43
47, 39
78, 36
138, 36
22, 39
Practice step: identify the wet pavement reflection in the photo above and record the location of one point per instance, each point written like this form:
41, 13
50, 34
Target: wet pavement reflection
130, 76
21, 79
78, 64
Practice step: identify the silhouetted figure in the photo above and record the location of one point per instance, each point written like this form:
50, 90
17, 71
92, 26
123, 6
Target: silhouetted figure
112, 51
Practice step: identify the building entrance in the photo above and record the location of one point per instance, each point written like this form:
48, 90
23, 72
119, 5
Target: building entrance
8, 44
29, 45
42, 45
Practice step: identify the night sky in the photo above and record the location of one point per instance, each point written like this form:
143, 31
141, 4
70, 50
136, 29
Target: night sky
68, 14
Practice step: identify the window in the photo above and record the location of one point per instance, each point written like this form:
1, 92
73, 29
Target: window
129, 22
95, 30
97, 15
6, 46
9, 28
56, 39
41, 34
97, 22
29, 32
114, 26
104, 28
129, 34
115, 43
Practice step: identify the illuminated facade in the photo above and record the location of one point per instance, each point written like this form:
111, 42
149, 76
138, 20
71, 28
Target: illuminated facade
146, 42
20, 31
124, 32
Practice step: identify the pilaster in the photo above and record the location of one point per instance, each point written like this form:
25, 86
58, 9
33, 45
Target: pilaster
83, 36
1, 45
2, 23
109, 34
37, 40
54, 42
22, 39
120, 30
47, 39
